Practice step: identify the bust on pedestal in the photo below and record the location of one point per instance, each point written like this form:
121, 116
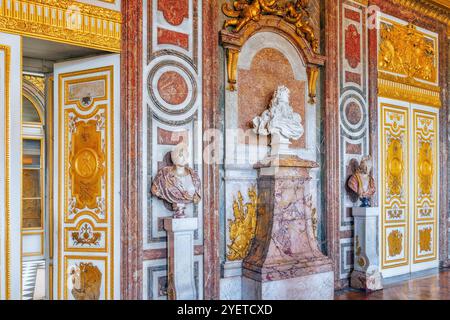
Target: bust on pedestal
179, 185
366, 274
284, 261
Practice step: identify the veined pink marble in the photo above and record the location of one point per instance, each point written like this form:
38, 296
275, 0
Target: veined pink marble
285, 245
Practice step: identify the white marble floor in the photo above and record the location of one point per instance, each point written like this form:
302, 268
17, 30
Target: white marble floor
33, 280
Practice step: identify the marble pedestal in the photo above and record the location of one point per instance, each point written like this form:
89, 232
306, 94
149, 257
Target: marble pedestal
180, 244
366, 274
285, 261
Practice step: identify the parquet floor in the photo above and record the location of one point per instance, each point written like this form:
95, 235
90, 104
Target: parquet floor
431, 287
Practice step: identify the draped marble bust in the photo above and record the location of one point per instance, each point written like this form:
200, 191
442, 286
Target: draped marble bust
280, 118
362, 182
179, 185
280, 122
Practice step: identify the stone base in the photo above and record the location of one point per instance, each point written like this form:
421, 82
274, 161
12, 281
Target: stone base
318, 286
368, 282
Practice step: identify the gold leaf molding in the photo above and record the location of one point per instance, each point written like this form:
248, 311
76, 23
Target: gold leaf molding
63, 21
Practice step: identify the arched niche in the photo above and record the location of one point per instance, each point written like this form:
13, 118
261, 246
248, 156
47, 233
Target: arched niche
259, 58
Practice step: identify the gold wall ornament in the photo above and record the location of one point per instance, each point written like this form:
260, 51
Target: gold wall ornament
244, 11
313, 74
243, 227
87, 160
395, 240
64, 21
232, 61
86, 280
407, 89
86, 236
295, 13
405, 50
425, 239
395, 166
425, 169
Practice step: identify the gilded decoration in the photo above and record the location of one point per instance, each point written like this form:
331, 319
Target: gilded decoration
243, 227
86, 236
436, 9
425, 168
86, 280
425, 239
395, 240
38, 82
408, 64
63, 21
87, 164
360, 260
404, 50
395, 166
296, 13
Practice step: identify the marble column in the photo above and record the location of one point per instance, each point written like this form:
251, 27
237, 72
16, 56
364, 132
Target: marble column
180, 245
366, 274
285, 261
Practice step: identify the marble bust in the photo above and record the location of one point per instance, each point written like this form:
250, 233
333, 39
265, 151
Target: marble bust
279, 118
179, 185
362, 182
279, 121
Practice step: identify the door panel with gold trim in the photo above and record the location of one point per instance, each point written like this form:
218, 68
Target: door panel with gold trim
425, 126
394, 189
87, 215
408, 187
10, 166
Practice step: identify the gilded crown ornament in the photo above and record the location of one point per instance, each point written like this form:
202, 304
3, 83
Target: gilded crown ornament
242, 12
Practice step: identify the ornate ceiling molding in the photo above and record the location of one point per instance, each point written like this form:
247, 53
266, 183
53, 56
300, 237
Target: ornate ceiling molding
63, 21
435, 9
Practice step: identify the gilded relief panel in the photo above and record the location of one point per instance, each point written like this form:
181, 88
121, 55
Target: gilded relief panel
425, 189
407, 51
408, 63
395, 185
86, 223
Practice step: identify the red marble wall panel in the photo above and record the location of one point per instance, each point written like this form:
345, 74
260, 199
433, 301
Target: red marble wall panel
352, 77
351, 148
171, 138
172, 37
172, 88
352, 15
269, 69
174, 11
352, 46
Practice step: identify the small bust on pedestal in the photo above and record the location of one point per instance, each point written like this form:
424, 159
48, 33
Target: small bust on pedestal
362, 182
179, 185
